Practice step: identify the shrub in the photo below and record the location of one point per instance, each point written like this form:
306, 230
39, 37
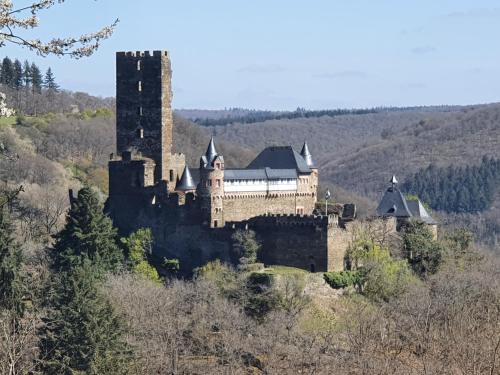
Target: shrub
342, 279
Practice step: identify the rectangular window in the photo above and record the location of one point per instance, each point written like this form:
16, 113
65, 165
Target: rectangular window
139, 86
218, 182
139, 111
138, 65
171, 175
216, 223
209, 182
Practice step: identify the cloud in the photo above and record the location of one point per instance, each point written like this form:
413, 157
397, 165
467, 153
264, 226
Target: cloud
476, 13
423, 50
342, 74
262, 69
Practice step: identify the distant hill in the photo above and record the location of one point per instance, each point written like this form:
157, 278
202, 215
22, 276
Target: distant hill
357, 154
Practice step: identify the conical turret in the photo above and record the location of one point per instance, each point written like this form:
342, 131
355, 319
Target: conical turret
186, 183
307, 156
211, 151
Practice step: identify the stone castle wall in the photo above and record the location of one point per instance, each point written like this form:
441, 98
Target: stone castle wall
243, 206
313, 243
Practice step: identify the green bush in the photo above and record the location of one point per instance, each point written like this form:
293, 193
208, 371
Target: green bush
342, 279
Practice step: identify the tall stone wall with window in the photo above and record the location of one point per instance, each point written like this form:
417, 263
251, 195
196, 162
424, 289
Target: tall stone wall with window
143, 107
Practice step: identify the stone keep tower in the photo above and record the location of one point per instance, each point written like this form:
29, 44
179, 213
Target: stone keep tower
143, 110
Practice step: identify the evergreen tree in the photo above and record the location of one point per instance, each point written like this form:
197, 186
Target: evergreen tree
7, 73
36, 79
27, 73
424, 254
246, 246
11, 281
82, 333
88, 233
49, 82
18, 75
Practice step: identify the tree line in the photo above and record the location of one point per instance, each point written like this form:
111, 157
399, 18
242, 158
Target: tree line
457, 189
17, 75
254, 116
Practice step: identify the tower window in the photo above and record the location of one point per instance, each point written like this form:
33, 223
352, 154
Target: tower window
138, 64
216, 223
140, 133
171, 175
217, 165
139, 86
217, 182
139, 111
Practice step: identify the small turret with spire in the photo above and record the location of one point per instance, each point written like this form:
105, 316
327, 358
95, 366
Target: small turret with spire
207, 160
307, 156
211, 186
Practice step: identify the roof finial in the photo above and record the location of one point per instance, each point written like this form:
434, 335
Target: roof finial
394, 181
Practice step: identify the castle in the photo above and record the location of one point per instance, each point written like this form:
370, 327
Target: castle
192, 215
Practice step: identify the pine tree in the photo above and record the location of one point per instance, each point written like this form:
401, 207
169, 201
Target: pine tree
11, 281
36, 79
7, 73
88, 233
18, 75
82, 332
49, 81
27, 73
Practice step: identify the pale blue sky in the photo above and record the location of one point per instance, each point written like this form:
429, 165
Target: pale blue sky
281, 54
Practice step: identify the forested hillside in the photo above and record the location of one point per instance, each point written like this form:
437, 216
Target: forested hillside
357, 154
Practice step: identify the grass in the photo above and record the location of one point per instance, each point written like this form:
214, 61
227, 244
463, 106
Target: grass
283, 270
7, 121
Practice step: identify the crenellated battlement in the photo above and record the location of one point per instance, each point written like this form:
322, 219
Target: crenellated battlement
142, 53
288, 220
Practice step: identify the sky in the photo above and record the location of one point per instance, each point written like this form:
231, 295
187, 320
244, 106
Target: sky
284, 54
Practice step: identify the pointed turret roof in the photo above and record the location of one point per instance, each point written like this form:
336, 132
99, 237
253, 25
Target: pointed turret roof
307, 155
211, 151
186, 182
393, 202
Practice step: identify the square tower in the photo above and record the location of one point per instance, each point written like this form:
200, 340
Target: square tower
143, 107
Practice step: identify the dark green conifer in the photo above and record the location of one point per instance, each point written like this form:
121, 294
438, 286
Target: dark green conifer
49, 82
88, 233
7, 73
27, 73
18, 75
36, 79
11, 259
82, 333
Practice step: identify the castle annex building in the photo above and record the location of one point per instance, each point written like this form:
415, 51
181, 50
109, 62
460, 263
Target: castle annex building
193, 211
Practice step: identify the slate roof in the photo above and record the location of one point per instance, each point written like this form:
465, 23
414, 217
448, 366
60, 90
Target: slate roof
280, 157
259, 174
393, 203
186, 182
418, 211
307, 155
207, 160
